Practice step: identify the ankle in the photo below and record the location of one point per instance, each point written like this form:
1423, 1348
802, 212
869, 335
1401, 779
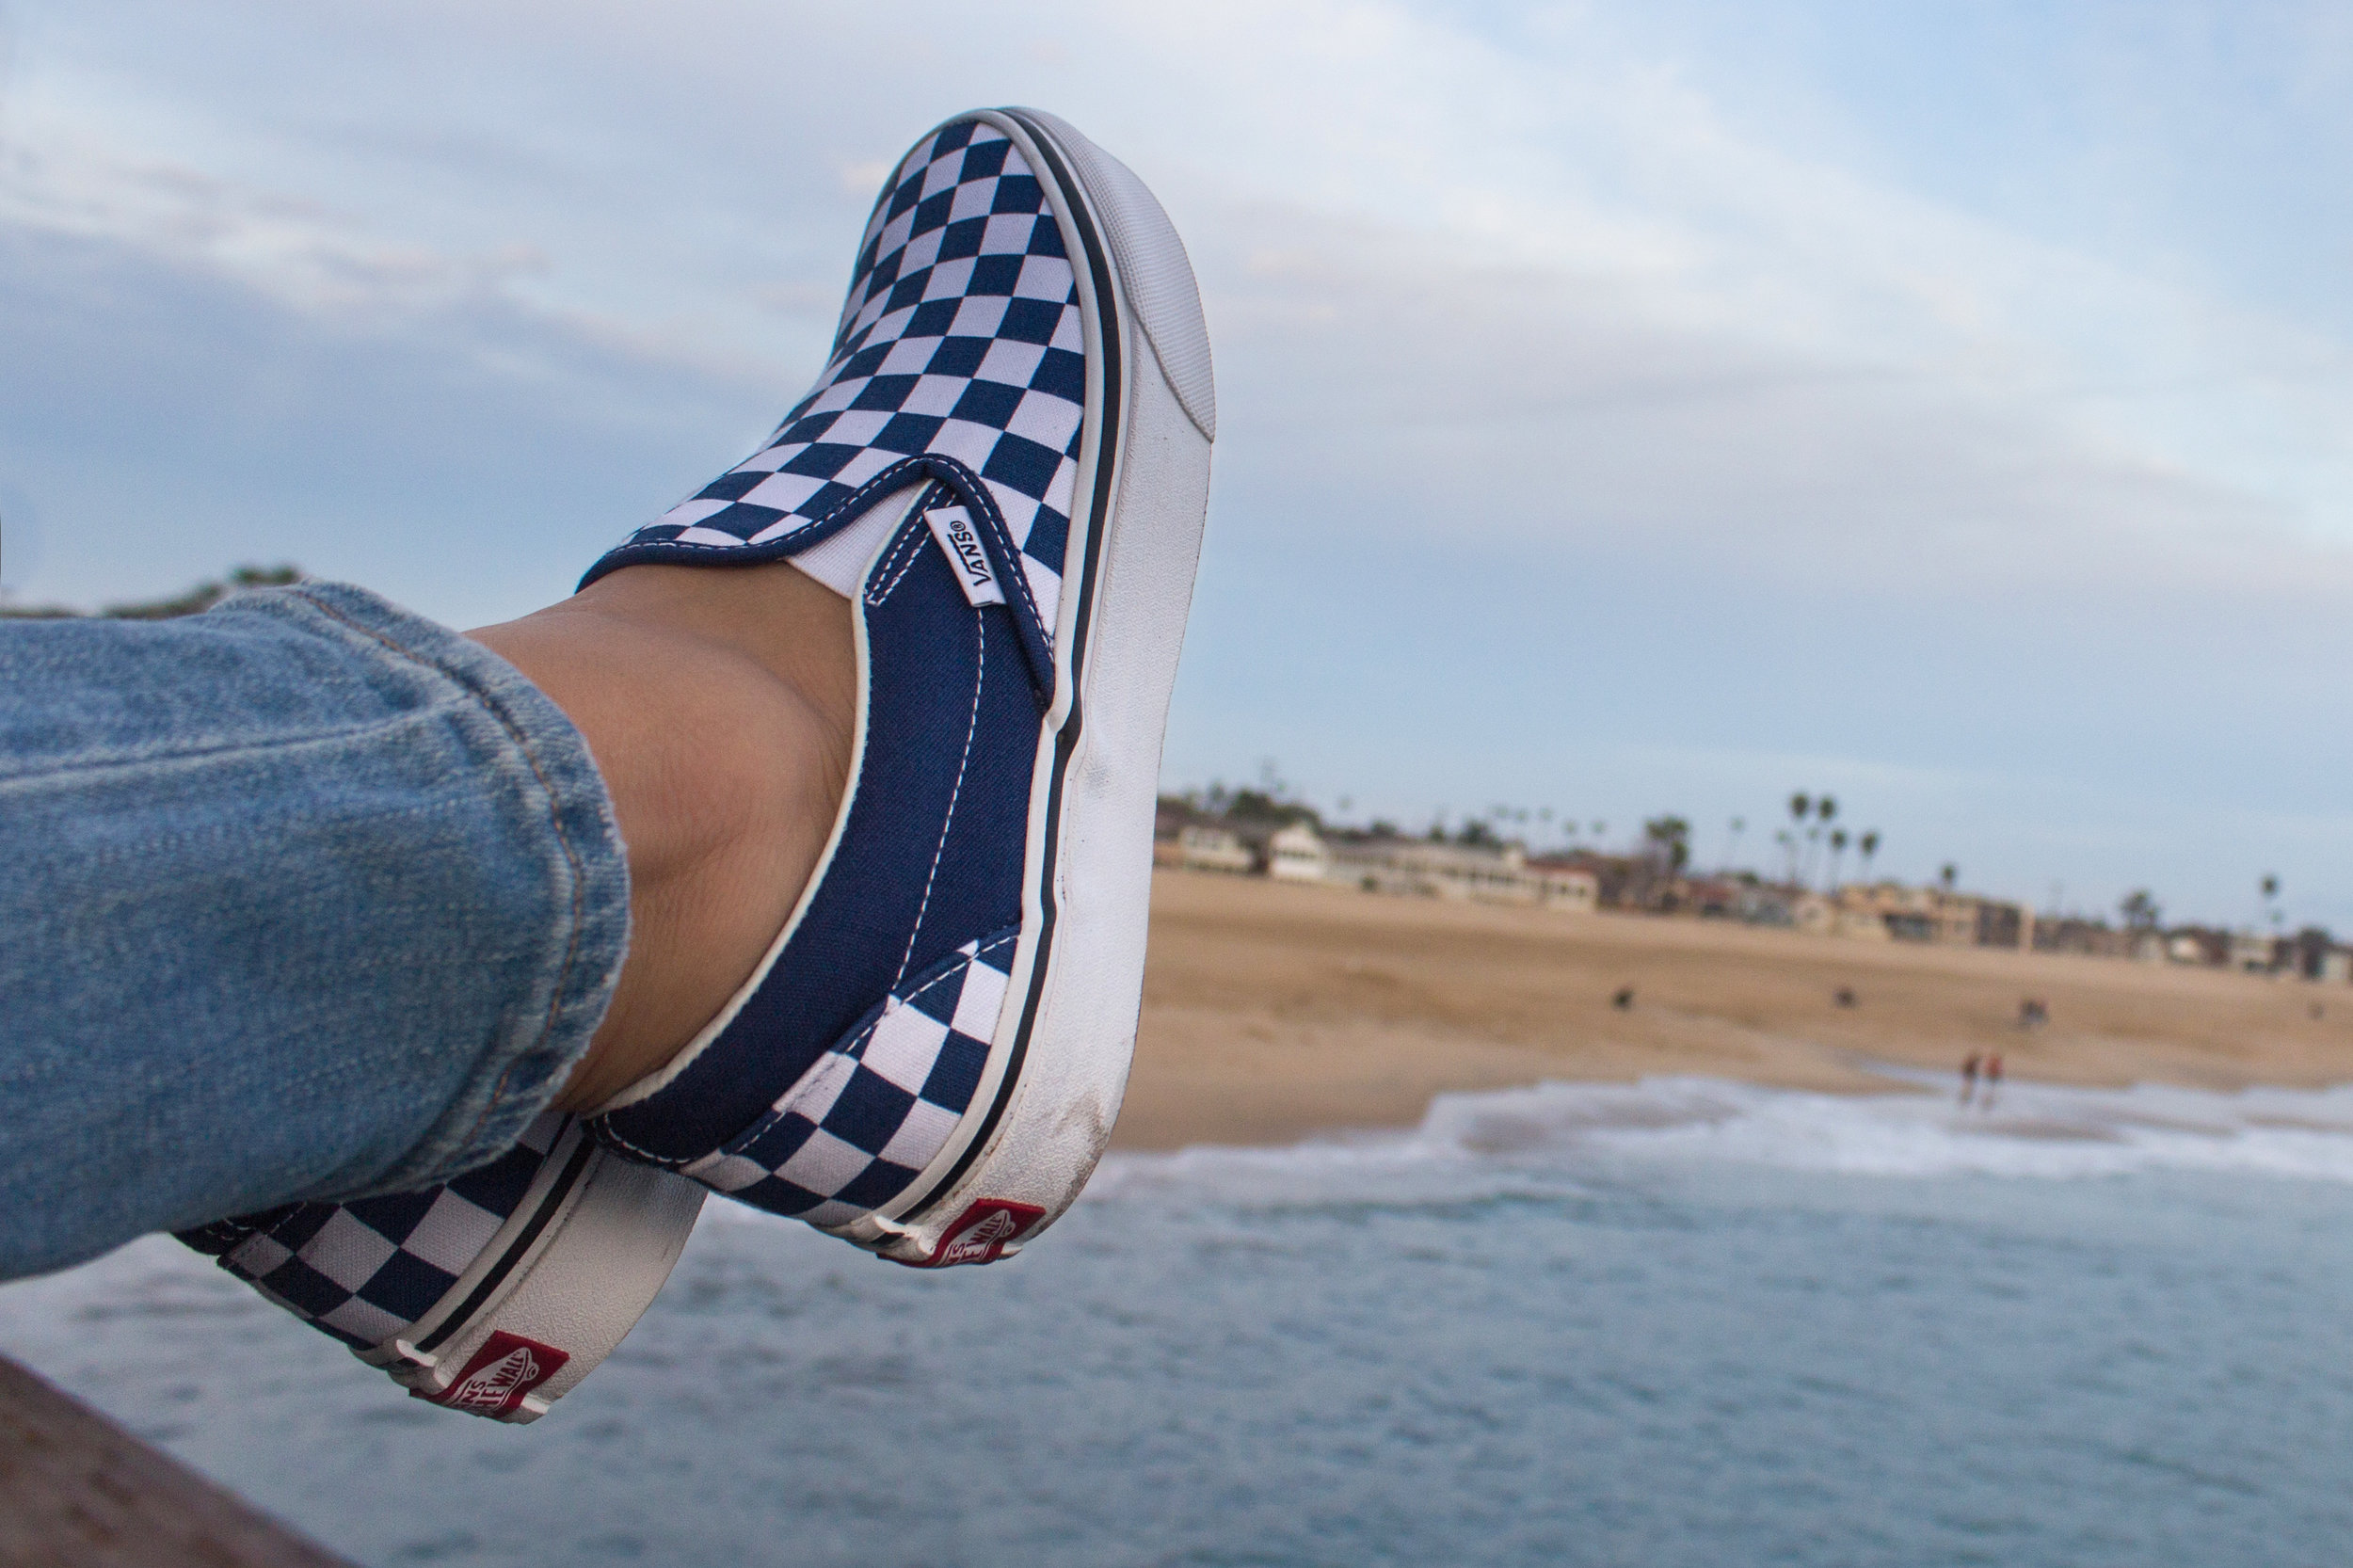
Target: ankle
791, 626
719, 707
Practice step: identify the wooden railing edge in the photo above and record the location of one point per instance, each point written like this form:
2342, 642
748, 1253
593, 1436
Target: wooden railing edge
77, 1491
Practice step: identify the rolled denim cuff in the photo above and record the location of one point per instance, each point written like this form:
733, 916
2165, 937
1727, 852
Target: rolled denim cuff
545, 795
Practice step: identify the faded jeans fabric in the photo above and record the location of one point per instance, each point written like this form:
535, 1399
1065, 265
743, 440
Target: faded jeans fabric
304, 897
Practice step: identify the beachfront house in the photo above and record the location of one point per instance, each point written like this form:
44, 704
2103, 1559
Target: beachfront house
1298, 853
1571, 889
1891, 910
1884, 911
2253, 954
1432, 867
1202, 848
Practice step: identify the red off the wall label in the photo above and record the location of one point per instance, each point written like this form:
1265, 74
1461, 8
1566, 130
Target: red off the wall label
505, 1369
982, 1231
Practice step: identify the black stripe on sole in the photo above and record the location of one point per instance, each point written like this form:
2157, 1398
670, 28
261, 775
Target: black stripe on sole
549, 1207
1113, 339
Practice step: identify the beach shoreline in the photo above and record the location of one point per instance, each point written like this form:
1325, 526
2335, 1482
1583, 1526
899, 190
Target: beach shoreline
1274, 1013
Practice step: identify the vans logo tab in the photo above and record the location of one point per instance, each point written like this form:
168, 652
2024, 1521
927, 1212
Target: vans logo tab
494, 1382
961, 543
981, 1232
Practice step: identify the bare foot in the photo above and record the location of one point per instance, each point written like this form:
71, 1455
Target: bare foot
719, 704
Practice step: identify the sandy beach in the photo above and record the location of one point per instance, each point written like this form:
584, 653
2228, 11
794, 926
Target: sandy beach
1272, 1012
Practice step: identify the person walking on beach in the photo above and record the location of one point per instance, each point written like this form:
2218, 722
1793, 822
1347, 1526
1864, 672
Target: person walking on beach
430, 980
1992, 1080
1969, 1078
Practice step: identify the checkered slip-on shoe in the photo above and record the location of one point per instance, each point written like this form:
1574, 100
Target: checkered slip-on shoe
495, 1293
1004, 466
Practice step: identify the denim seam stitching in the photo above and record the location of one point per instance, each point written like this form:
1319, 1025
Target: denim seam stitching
555, 819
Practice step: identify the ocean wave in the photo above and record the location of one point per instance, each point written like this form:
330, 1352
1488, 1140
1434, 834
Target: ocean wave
1554, 1132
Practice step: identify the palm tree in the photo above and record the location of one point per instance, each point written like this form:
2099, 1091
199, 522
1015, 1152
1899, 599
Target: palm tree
1732, 850
1837, 855
2271, 900
1669, 839
1824, 809
1949, 876
1869, 845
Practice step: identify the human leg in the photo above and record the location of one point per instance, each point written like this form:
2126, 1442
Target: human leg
306, 898
714, 707
1002, 473
719, 707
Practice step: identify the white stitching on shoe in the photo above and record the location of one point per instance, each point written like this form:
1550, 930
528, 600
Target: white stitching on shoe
783, 1106
605, 1131
979, 674
911, 546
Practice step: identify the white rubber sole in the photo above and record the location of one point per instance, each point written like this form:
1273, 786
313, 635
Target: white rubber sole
1043, 1110
566, 1277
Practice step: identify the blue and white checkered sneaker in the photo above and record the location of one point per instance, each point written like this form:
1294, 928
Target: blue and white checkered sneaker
495, 1293
1006, 467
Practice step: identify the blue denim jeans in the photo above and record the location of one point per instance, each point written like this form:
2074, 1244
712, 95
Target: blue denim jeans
304, 897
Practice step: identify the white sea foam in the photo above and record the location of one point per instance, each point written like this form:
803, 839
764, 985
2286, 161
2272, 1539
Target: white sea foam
1560, 1131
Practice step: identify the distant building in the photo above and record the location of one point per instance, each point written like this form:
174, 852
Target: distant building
1586, 878
1882, 910
1432, 868
1426, 867
1715, 898
2253, 954
1813, 913
1764, 903
2313, 955
2074, 934
1570, 889
1298, 853
2001, 924
2197, 944
1214, 849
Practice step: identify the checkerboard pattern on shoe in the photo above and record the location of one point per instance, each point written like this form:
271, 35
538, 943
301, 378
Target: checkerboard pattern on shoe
862, 1123
366, 1271
960, 342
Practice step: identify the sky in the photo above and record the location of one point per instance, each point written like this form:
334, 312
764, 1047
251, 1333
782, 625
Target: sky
1624, 407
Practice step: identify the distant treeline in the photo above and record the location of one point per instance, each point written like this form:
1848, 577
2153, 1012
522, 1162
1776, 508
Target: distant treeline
197, 599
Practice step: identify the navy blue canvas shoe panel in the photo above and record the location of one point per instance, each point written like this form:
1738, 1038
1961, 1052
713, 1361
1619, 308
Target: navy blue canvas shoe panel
930, 857
862, 1124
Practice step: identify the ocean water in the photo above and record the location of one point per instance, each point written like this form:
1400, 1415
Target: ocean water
1679, 1323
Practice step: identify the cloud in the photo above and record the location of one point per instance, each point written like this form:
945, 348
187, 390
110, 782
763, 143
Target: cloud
163, 420
1603, 388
